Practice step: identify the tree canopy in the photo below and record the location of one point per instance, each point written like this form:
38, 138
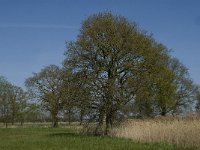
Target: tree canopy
122, 64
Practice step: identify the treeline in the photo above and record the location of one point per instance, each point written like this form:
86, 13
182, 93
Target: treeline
15, 105
113, 71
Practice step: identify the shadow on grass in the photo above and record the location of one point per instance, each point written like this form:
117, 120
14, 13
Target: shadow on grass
67, 134
73, 134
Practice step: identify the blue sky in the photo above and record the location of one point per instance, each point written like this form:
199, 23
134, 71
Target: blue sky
33, 32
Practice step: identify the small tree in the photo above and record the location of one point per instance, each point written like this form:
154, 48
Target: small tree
47, 86
197, 101
5, 100
76, 95
23, 106
186, 90
18, 97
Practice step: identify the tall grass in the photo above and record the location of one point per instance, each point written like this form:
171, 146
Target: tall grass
182, 132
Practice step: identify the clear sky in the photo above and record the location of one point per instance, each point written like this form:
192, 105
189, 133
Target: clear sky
33, 32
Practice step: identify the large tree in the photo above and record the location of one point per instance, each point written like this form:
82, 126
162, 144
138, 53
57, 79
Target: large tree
118, 60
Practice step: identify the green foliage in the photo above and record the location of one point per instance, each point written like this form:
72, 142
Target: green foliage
47, 86
122, 65
5, 100
198, 101
12, 102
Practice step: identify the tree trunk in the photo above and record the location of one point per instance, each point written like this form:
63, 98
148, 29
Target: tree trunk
6, 122
6, 119
13, 120
109, 99
110, 117
55, 124
108, 125
69, 116
54, 121
99, 128
163, 111
13, 116
81, 116
21, 123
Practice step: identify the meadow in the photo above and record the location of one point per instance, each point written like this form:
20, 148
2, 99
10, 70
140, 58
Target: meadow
42, 137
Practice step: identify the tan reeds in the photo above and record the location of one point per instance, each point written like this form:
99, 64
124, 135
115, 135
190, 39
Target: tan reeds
179, 131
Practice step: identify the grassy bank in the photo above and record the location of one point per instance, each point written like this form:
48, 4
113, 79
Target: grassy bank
67, 138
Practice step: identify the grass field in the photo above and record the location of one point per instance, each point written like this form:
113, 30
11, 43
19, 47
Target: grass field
40, 138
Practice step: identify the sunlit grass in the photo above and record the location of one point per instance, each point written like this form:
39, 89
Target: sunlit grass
36, 138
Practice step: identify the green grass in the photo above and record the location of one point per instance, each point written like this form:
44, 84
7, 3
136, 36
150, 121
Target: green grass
68, 139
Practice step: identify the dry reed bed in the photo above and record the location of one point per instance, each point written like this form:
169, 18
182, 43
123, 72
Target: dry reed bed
179, 131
